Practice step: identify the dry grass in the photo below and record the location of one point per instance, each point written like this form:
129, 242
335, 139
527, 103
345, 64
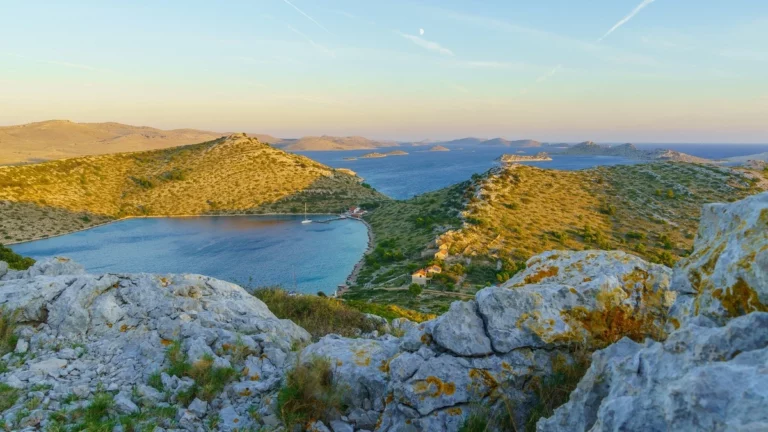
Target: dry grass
226, 176
651, 210
320, 316
309, 394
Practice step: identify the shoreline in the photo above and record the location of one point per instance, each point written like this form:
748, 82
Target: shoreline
163, 217
352, 278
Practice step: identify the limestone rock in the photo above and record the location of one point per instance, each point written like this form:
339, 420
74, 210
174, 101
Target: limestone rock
93, 333
702, 377
360, 365
727, 273
461, 331
546, 303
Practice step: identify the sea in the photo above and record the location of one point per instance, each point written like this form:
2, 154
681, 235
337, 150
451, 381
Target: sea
280, 251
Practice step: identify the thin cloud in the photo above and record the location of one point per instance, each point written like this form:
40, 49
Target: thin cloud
307, 16
549, 75
317, 46
432, 46
55, 62
626, 19
492, 65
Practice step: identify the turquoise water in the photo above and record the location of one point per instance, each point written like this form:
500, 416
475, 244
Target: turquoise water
249, 250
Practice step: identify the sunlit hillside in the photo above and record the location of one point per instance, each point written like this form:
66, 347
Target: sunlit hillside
492, 225
236, 174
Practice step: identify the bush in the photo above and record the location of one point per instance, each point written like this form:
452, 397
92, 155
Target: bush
320, 316
309, 394
209, 380
415, 289
14, 260
7, 328
554, 390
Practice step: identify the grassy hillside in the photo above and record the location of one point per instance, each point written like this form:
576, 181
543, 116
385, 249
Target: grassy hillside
514, 212
229, 175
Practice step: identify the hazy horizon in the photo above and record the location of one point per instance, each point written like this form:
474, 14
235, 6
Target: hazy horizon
612, 71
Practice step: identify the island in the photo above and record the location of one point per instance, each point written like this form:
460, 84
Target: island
438, 148
376, 155
629, 151
373, 155
514, 158
350, 158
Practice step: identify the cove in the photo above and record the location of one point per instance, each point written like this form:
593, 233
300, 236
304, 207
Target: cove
247, 250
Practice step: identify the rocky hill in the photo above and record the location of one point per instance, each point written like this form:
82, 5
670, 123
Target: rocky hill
492, 225
629, 151
324, 143
59, 139
235, 174
681, 349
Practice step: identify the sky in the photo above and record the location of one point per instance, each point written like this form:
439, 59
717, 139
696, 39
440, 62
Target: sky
662, 71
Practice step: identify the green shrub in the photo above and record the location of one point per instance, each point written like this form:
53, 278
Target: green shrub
320, 316
415, 289
209, 379
8, 338
8, 396
14, 260
309, 394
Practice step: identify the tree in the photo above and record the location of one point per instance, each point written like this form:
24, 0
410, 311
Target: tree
415, 289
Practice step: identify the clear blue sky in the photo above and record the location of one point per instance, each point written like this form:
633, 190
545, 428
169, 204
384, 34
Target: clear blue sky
674, 71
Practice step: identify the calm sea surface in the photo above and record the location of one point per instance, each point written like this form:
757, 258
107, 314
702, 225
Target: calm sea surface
253, 250
259, 250
422, 171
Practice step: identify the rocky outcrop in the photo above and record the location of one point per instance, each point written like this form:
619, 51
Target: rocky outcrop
486, 352
710, 373
727, 273
81, 334
703, 377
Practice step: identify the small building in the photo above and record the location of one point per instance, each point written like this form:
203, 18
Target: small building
441, 254
420, 277
434, 269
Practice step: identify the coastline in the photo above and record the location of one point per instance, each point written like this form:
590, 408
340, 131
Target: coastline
352, 278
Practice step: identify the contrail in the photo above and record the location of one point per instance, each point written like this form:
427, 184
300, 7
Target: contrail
308, 17
624, 20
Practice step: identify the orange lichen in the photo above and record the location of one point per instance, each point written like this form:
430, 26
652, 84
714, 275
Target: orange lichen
542, 274
484, 378
455, 411
255, 377
384, 366
362, 357
740, 299
123, 328
339, 363
165, 342
434, 387
426, 339
245, 393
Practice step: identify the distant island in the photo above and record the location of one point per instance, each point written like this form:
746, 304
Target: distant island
331, 143
629, 151
512, 158
439, 148
376, 155
350, 158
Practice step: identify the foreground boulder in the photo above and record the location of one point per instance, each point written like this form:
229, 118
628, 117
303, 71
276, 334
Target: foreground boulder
703, 377
82, 335
709, 374
727, 274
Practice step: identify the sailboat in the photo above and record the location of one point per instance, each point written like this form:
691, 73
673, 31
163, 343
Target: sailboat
306, 219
